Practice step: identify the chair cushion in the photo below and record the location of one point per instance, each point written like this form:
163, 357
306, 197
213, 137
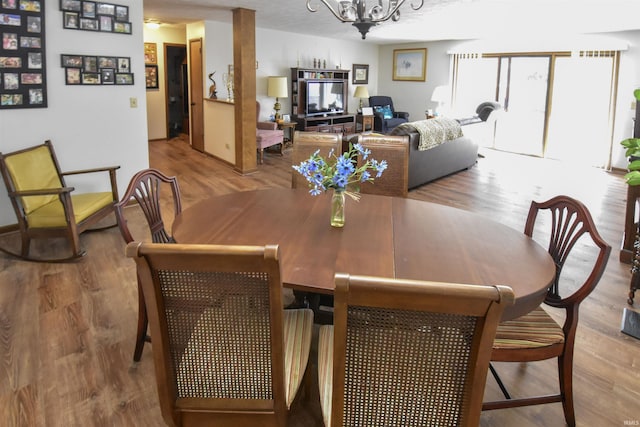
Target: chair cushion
534, 330
325, 371
298, 329
267, 138
34, 170
84, 205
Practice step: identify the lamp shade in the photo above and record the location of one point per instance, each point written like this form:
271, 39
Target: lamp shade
277, 87
441, 94
361, 92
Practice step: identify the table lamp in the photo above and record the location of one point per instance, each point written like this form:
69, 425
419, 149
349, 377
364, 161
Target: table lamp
277, 88
361, 92
441, 96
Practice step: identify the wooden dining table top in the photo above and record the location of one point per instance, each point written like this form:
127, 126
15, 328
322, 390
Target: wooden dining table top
383, 236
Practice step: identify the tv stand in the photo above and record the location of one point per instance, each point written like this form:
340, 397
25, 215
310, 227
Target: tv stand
330, 122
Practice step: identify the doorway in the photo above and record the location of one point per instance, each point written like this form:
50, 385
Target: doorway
177, 93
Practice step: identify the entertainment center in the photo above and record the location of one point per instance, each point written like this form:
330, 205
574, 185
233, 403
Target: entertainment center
320, 100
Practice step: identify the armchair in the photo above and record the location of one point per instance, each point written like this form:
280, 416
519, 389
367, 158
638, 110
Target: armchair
385, 119
45, 206
267, 135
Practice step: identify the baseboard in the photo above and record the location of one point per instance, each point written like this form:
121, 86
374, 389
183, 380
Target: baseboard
631, 323
9, 228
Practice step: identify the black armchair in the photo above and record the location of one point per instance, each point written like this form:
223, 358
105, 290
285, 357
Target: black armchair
393, 117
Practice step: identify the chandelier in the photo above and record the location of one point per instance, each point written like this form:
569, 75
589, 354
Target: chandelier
361, 16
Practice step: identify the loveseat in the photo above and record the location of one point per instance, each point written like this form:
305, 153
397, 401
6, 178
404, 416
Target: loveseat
438, 161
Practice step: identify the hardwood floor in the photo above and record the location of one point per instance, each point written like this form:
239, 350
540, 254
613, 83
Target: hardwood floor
67, 330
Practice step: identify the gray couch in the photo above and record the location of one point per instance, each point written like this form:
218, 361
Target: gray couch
439, 161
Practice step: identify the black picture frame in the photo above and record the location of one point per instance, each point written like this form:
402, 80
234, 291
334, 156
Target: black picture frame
360, 74
96, 70
91, 15
23, 68
151, 76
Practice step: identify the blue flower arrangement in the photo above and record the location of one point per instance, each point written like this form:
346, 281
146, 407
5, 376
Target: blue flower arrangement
338, 172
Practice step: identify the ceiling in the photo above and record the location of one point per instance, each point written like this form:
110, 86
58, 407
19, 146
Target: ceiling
436, 20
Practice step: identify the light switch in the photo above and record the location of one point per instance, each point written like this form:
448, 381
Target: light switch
133, 102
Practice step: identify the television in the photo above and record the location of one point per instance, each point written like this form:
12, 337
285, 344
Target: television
325, 97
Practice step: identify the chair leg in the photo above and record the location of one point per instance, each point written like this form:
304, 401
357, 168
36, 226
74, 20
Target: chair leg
143, 323
499, 381
565, 375
261, 155
26, 245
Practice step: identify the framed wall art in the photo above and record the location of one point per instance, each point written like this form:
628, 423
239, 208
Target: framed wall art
94, 16
151, 76
22, 54
360, 74
96, 70
410, 65
150, 53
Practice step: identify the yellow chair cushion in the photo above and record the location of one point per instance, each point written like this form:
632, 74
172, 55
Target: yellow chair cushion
534, 330
84, 205
34, 170
325, 371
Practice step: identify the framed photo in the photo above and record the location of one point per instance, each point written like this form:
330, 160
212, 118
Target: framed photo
33, 24
124, 65
106, 23
124, 78
108, 76
90, 78
122, 27
106, 9
150, 53
360, 74
71, 61
90, 64
89, 24
71, 5
73, 76
410, 65
122, 13
151, 76
88, 9
71, 20
106, 62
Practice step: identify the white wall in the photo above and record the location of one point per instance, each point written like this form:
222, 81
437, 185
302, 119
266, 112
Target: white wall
156, 98
90, 126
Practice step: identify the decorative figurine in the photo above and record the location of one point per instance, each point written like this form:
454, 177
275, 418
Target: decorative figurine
212, 88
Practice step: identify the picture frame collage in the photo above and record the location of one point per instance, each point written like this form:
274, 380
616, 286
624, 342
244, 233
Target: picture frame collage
22, 54
94, 70
95, 16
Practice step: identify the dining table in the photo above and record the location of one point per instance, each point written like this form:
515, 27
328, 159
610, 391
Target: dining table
383, 236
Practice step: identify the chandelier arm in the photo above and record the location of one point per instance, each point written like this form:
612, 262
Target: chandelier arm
330, 7
417, 7
391, 12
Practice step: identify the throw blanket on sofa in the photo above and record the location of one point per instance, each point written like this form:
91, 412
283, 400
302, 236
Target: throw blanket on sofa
432, 132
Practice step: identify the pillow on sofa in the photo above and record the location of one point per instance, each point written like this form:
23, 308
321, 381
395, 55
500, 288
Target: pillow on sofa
385, 111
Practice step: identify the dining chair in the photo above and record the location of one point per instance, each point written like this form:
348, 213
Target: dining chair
395, 150
46, 207
145, 189
537, 336
225, 352
307, 143
406, 352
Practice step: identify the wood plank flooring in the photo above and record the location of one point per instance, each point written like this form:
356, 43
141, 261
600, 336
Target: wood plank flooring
67, 330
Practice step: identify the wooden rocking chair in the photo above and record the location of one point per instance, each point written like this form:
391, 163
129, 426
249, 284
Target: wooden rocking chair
45, 207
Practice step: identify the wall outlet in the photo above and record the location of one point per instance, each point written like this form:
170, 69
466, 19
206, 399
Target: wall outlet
133, 102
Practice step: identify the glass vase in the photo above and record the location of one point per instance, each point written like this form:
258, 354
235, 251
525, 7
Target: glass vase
337, 209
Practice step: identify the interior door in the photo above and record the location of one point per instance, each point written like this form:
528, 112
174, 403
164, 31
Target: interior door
196, 94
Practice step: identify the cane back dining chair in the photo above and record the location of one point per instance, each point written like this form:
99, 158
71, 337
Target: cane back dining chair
536, 336
395, 150
307, 143
406, 352
225, 352
146, 188
45, 206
